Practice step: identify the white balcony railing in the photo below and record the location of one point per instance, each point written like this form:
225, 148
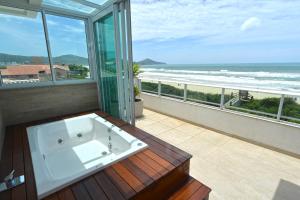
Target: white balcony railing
279, 105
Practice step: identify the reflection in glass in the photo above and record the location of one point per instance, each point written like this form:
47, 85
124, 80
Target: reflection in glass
23, 52
69, 4
68, 47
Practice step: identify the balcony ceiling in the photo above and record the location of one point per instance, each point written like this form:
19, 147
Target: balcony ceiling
79, 7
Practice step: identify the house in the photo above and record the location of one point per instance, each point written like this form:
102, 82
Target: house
31, 73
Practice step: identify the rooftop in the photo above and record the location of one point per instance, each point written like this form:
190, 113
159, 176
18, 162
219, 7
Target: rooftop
234, 169
29, 69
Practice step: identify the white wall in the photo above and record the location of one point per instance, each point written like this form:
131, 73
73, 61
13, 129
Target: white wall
277, 135
2, 129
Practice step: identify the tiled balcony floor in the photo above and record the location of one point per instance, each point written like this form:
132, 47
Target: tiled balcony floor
234, 169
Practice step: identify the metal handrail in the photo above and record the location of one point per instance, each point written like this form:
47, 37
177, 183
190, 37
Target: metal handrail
222, 103
287, 93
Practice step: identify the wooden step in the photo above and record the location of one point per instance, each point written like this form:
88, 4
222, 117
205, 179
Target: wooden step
191, 190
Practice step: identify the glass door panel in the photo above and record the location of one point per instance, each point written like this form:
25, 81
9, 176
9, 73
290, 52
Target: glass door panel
114, 61
106, 64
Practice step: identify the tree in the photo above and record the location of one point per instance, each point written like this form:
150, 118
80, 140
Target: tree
78, 71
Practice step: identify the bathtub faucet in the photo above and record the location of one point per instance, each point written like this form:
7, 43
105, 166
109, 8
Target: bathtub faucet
109, 143
109, 137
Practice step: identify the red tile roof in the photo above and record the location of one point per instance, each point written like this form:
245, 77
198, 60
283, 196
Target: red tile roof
29, 69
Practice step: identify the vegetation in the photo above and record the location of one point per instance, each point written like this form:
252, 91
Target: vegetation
3, 67
136, 71
267, 105
78, 71
136, 91
195, 96
270, 105
150, 87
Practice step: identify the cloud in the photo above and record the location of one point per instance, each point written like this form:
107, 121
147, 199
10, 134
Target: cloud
252, 22
73, 29
53, 23
166, 20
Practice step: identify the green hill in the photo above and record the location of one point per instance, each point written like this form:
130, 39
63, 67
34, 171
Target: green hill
64, 59
148, 61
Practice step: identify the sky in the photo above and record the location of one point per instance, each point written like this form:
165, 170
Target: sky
177, 32
25, 36
216, 31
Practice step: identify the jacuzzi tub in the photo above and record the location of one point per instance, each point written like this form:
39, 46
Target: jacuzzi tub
66, 151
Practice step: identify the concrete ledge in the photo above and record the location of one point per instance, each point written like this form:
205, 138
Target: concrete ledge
268, 133
30, 104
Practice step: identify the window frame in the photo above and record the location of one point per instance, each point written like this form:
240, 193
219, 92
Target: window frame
89, 45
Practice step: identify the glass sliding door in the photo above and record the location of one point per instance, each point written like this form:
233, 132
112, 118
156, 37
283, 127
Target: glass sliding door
114, 61
106, 64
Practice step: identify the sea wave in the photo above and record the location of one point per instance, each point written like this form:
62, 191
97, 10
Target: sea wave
261, 80
258, 74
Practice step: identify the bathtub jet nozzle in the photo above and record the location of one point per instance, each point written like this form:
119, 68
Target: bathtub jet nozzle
60, 141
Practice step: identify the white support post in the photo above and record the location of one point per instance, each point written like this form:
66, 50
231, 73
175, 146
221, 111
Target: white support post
159, 88
1, 81
139, 83
280, 107
125, 63
130, 60
120, 80
185, 92
222, 98
48, 46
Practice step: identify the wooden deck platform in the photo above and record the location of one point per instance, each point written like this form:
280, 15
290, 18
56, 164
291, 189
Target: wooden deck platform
159, 172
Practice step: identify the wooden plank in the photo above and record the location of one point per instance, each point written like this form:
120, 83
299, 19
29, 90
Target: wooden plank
115, 121
158, 159
93, 189
101, 114
29, 176
137, 172
133, 181
120, 183
108, 187
164, 152
80, 191
202, 193
145, 167
18, 192
65, 194
52, 197
165, 186
153, 164
136, 132
187, 190
6, 161
171, 147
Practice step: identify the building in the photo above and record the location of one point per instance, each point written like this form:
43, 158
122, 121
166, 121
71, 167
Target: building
31, 73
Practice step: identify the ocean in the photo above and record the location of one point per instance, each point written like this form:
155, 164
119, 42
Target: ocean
266, 76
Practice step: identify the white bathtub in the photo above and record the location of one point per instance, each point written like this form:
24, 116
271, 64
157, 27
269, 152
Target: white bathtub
66, 151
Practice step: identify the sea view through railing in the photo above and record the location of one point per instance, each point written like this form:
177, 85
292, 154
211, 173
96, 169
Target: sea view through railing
278, 105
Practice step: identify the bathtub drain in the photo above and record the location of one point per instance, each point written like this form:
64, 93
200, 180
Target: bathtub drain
59, 141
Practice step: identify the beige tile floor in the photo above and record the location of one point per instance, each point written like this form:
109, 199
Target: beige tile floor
234, 169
